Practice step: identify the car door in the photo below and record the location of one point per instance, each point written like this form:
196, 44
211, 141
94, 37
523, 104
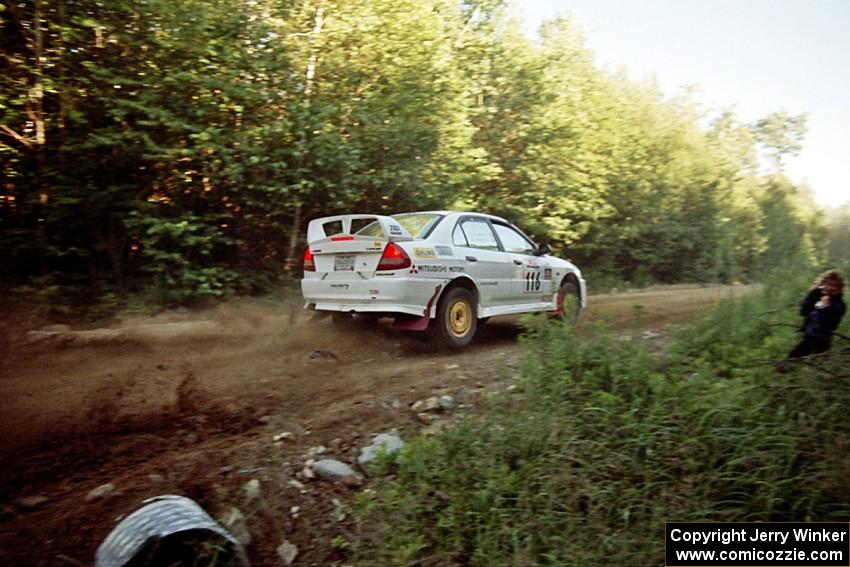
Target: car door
476, 242
530, 274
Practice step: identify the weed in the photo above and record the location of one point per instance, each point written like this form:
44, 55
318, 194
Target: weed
609, 440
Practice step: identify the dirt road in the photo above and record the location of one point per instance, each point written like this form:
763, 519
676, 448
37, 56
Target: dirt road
190, 403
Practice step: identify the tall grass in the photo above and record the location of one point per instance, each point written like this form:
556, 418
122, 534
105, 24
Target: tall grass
605, 441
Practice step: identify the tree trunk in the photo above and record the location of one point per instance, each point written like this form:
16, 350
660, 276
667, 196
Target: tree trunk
37, 91
294, 236
309, 80
35, 111
116, 246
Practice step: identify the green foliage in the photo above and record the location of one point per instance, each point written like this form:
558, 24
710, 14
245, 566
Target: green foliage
737, 335
781, 134
604, 441
122, 120
838, 225
182, 254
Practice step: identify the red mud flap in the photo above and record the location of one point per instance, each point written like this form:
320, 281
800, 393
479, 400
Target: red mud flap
420, 323
559, 306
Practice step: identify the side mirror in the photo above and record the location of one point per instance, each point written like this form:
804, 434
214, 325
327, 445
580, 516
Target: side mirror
543, 249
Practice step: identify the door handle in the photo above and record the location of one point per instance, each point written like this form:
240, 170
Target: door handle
518, 262
471, 259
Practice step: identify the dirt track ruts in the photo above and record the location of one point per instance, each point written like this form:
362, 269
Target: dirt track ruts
188, 403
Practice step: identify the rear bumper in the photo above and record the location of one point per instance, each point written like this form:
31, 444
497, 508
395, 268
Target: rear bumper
409, 296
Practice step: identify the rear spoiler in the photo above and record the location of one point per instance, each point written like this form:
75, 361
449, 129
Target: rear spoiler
390, 228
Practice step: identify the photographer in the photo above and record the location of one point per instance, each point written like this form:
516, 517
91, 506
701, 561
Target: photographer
823, 308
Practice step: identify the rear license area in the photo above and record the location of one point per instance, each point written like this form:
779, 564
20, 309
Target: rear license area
344, 262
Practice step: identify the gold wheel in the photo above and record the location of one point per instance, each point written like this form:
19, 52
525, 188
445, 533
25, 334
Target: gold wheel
457, 319
460, 318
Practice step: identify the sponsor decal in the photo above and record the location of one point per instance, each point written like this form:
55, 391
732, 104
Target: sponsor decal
395, 229
436, 269
375, 246
547, 273
424, 252
374, 292
385, 274
488, 283
445, 250
441, 268
339, 285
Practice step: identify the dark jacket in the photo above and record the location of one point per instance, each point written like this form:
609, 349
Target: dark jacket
820, 323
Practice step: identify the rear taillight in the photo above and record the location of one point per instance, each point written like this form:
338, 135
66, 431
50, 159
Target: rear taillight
394, 258
309, 264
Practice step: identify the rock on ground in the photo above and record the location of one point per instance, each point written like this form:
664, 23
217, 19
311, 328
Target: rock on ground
31, 502
235, 523
338, 471
287, 552
434, 403
252, 489
446, 402
100, 491
387, 442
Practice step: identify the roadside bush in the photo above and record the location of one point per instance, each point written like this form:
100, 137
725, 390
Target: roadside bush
605, 441
182, 253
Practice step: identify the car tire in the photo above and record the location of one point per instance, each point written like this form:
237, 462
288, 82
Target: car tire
457, 318
570, 302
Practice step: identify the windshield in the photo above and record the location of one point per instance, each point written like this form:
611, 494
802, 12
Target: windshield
417, 225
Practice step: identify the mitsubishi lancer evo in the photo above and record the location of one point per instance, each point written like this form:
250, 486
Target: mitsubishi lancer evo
441, 271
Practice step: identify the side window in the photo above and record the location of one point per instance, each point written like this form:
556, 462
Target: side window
458, 237
513, 241
478, 233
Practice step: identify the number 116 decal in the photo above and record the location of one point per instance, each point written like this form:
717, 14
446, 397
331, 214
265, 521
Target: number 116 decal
532, 282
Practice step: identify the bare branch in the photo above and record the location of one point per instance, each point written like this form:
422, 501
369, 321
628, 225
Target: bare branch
16, 136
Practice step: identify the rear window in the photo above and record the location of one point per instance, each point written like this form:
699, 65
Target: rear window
417, 225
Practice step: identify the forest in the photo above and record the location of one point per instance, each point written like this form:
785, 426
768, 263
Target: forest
158, 154
180, 148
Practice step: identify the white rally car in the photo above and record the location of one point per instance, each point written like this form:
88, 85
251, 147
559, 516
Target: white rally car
437, 270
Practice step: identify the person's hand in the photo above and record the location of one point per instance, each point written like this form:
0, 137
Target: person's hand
824, 299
